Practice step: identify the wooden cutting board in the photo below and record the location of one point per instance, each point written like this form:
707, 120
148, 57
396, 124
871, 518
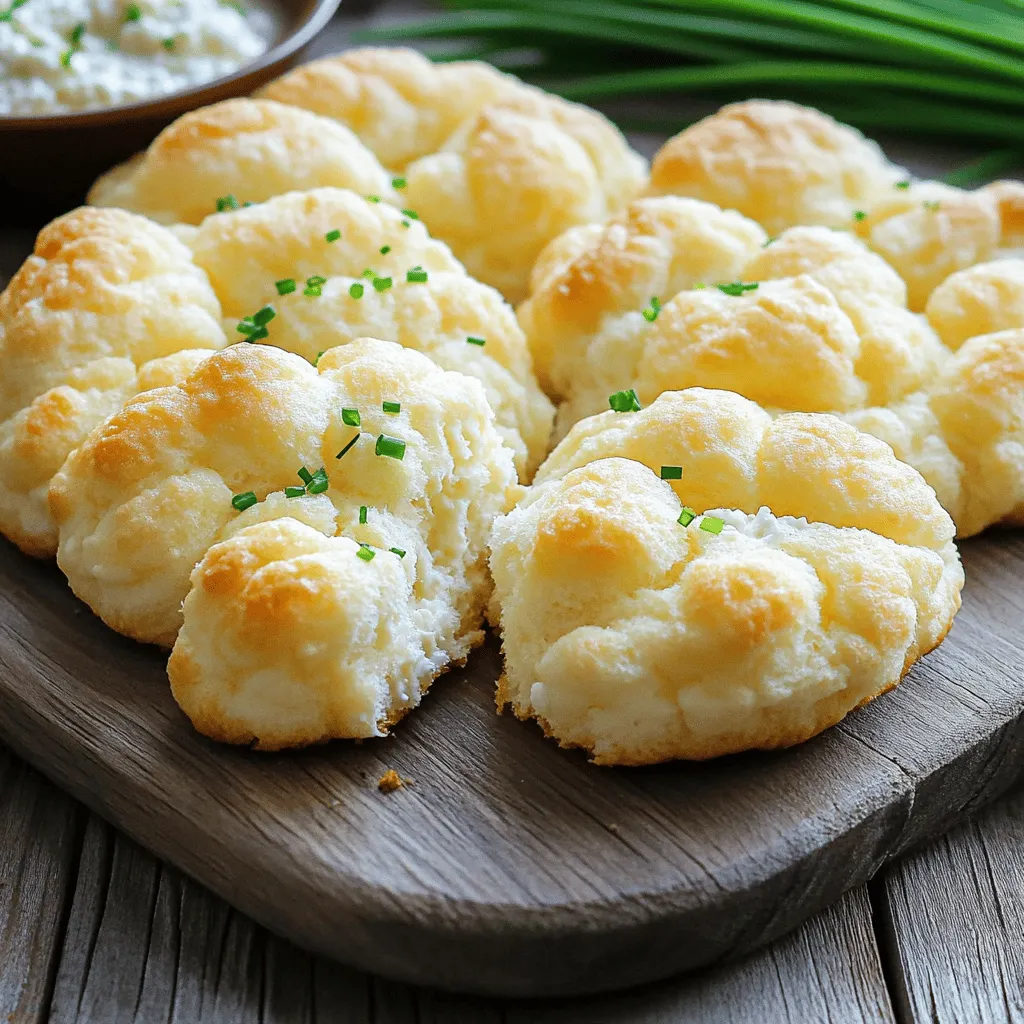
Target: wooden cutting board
510, 866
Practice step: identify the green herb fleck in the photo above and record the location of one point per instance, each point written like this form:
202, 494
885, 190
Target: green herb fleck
133, 12
305, 476
318, 483
365, 552
362, 514
476, 341
344, 451
241, 502
416, 276
398, 183
314, 286
902, 185
385, 249
65, 58
624, 401
859, 215
392, 407
411, 214
350, 417
285, 286
381, 284
168, 44
671, 472
686, 517
738, 288
397, 551
76, 34
356, 290
294, 492
652, 311
712, 524
332, 236
405, 223
225, 203
255, 327
316, 362
373, 199
392, 447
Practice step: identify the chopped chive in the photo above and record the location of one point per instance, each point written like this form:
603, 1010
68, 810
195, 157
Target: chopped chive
246, 326
344, 451
381, 284
392, 447
700, 286
305, 476
243, 501
686, 517
133, 12
624, 401
671, 472
902, 184
859, 215
294, 492
350, 417
318, 482
65, 58
168, 43
932, 205
416, 276
285, 286
652, 311
712, 524
263, 316
316, 280
316, 362
385, 249
405, 223
398, 182
397, 551
356, 290
391, 407
76, 34
228, 202
476, 341
738, 288
368, 273
259, 334
313, 289
362, 514
373, 199
365, 552
768, 241
411, 214
333, 235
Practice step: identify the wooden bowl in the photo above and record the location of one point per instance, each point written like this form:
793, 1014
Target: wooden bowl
49, 162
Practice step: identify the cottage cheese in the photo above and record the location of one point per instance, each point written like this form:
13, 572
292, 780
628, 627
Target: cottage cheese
64, 55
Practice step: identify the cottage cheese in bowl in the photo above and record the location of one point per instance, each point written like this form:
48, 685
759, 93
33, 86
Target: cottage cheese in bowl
65, 55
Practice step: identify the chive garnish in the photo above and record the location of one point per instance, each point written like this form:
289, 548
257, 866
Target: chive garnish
385, 249
391, 407
65, 58
316, 362
255, 327
333, 235
738, 287
76, 35
318, 483
859, 215
476, 341
362, 514
652, 311
365, 552
133, 12
392, 447
397, 551
368, 273
228, 202
285, 286
712, 524
381, 284
314, 286
344, 451
416, 276
902, 185
411, 214
373, 199
294, 492
686, 517
398, 182
350, 417
168, 43
671, 472
356, 290
243, 501
405, 223
305, 476
624, 401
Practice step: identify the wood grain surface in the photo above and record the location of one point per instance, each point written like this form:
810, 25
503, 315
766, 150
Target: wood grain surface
510, 866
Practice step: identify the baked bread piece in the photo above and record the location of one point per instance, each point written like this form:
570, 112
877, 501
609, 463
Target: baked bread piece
777, 162
812, 322
241, 150
109, 304
633, 629
786, 165
494, 167
380, 275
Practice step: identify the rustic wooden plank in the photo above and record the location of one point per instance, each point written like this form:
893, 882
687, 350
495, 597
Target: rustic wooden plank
40, 835
953, 917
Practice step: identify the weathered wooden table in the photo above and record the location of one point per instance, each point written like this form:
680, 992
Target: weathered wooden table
95, 929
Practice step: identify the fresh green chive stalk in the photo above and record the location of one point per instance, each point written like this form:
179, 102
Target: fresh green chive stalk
624, 401
391, 447
240, 502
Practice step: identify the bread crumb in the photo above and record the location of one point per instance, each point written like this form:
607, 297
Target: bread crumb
391, 780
